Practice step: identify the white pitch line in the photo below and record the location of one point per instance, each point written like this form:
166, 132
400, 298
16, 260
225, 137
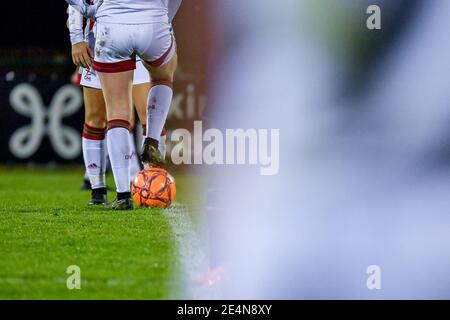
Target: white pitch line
191, 252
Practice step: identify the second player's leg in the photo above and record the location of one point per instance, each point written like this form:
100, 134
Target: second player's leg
95, 108
94, 143
140, 96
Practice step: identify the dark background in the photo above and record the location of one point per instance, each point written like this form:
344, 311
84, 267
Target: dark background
35, 49
34, 35
35, 23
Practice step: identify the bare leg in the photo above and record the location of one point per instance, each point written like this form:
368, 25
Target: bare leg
140, 96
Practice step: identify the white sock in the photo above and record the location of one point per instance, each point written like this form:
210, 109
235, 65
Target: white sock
119, 150
94, 154
159, 101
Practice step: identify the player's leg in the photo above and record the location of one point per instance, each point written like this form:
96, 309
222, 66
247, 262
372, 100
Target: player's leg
76, 79
115, 66
117, 92
141, 87
140, 96
94, 143
159, 101
135, 163
161, 61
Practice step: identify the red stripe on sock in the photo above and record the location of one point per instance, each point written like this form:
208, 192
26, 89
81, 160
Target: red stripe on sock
92, 133
91, 137
118, 123
99, 130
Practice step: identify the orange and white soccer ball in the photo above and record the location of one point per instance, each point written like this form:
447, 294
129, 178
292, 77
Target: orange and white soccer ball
153, 187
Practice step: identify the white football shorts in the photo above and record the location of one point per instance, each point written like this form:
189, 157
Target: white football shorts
117, 45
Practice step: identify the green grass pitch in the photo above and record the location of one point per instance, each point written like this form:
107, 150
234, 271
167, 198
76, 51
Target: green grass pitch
46, 227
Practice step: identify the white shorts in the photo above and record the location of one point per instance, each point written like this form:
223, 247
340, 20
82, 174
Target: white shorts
90, 79
117, 45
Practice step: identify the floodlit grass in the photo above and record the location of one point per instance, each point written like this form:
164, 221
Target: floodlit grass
46, 226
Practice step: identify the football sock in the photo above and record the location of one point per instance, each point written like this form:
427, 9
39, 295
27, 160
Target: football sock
94, 154
159, 100
119, 150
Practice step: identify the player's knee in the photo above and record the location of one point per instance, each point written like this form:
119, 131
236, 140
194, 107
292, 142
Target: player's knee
162, 82
95, 120
165, 72
173, 64
119, 114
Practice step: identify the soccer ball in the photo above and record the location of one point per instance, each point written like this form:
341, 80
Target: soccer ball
153, 187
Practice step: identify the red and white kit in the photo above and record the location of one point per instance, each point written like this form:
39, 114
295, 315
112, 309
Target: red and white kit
78, 32
127, 29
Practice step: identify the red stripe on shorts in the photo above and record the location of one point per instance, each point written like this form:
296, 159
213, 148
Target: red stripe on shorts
114, 67
157, 63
